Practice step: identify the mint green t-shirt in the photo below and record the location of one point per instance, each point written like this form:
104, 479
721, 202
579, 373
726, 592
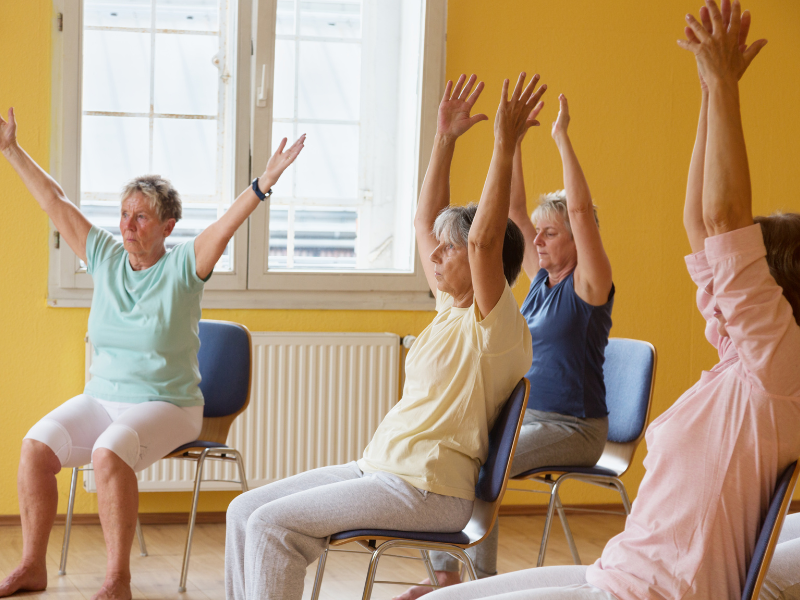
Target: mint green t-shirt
144, 325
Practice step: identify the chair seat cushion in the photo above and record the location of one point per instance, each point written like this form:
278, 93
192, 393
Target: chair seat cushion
458, 538
582, 470
198, 444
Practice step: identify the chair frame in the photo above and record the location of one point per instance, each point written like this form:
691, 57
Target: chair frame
484, 515
618, 458
214, 429
775, 533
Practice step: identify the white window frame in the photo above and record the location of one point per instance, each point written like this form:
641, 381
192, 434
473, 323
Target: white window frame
250, 284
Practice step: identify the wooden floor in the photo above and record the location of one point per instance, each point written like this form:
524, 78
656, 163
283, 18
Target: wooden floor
156, 576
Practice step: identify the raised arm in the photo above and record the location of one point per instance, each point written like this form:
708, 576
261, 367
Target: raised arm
593, 273
211, 243
487, 233
453, 121
722, 59
693, 208
68, 219
518, 211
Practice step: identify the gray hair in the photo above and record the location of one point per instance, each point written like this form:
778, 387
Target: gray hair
159, 194
554, 205
452, 226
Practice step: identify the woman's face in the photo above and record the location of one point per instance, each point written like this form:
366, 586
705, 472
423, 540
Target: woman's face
555, 246
451, 269
142, 231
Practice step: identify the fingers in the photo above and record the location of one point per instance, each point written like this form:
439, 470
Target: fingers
752, 51
725, 12
281, 146
465, 92
448, 89
538, 94
690, 35
744, 30
691, 46
518, 88
459, 84
12, 118
716, 16
563, 106
504, 92
527, 95
736, 19
477, 119
697, 28
705, 18
535, 113
473, 98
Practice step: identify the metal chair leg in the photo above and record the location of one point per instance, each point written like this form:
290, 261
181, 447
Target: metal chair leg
547, 523
567, 531
192, 516
320, 572
372, 571
467, 566
140, 535
62, 570
426, 557
624, 494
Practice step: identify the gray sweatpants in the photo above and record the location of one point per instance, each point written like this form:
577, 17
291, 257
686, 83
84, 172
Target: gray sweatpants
274, 532
544, 583
783, 578
546, 439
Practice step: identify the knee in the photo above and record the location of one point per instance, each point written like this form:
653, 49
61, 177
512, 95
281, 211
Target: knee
239, 511
106, 463
37, 456
116, 444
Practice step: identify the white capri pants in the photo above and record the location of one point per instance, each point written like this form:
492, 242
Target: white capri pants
140, 434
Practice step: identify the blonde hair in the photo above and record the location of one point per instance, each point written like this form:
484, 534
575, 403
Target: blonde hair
159, 193
554, 205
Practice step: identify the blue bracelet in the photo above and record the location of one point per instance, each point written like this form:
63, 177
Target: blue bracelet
261, 195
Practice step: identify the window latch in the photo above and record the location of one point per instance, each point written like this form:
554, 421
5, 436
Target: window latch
261, 98
57, 239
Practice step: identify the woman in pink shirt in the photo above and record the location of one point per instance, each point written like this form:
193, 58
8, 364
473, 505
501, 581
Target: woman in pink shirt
715, 455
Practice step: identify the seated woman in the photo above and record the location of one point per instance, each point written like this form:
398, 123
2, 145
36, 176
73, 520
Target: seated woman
143, 400
419, 471
783, 579
568, 311
715, 455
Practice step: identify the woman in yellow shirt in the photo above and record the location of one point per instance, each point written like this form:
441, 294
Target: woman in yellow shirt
419, 471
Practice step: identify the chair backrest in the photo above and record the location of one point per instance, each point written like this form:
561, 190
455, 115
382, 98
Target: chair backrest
493, 476
629, 371
225, 371
770, 530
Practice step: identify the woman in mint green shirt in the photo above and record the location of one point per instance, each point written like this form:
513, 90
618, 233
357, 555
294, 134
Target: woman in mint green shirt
143, 399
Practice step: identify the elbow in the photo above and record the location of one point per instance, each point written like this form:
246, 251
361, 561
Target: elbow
724, 219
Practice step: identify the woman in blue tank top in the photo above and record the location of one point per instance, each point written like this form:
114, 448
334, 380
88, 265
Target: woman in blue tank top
568, 310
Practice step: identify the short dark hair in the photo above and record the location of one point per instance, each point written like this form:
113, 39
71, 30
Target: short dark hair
781, 233
454, 222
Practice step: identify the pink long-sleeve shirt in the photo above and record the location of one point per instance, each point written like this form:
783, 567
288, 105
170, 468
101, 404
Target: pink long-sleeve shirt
714, 457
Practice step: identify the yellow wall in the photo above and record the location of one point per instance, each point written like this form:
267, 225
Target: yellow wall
634, 98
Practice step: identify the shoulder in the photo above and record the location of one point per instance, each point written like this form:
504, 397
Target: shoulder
101, 246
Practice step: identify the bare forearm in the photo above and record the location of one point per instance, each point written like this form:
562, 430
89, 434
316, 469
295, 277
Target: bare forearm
693, 207
518, 209
435, 193
44, 189
726, 188
579, 198
488, 228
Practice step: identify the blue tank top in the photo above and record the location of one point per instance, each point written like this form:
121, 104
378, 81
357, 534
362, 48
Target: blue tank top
569, 338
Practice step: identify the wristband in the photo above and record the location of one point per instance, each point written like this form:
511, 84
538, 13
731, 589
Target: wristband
261, 195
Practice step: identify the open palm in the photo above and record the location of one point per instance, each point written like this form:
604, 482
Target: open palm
279, 161
454, 119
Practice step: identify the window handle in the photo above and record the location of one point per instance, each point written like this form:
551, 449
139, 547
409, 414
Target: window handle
261, 97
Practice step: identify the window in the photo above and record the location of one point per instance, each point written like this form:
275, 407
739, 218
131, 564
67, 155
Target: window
201, 91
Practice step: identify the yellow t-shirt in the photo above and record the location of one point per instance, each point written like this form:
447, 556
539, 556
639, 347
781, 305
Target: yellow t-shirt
459, 373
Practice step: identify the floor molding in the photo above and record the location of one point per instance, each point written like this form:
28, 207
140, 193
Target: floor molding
508, 510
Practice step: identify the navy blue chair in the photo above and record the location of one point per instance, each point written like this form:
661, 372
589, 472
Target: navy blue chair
629, 373
770, 531
489, 491
225, 369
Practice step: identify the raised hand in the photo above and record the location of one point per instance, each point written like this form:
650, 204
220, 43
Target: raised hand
516, 114
8, 131
281, 160
719, 42
561, 123
531, 121
454, 119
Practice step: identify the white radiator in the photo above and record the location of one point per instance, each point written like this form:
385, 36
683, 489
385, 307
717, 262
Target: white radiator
316, 400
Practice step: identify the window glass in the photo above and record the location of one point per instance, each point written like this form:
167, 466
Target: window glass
157, 97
